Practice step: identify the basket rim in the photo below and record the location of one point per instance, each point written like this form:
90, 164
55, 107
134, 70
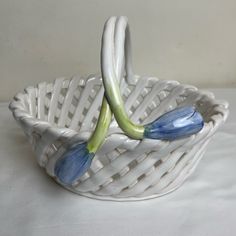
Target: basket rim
23, 116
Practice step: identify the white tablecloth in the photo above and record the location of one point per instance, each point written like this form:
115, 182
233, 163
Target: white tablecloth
33, 204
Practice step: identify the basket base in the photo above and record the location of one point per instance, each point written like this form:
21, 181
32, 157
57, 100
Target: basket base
133, 199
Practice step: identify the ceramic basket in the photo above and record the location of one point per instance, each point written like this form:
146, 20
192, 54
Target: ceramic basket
54, 115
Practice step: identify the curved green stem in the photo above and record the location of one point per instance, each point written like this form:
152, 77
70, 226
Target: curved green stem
101, 129
117, 106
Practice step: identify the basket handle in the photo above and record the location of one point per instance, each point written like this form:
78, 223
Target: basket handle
116, 60
115, 64
120, 45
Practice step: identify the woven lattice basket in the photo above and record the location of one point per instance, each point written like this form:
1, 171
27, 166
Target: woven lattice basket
54, 115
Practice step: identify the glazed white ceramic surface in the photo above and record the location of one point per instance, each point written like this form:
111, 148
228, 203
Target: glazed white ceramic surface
55, 115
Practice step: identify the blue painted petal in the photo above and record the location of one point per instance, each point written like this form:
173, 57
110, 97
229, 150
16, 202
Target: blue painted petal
73, 164
178, 123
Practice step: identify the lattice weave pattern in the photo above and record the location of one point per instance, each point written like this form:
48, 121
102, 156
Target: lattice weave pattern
56, 114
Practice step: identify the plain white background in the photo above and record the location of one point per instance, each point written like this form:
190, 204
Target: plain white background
186, 40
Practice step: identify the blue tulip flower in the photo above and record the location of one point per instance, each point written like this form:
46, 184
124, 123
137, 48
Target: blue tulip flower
73, 164
178, 123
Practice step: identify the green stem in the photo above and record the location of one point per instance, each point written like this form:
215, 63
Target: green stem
117, 106
101, 129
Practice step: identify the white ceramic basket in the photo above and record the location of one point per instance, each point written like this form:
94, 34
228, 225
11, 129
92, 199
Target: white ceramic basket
54, 115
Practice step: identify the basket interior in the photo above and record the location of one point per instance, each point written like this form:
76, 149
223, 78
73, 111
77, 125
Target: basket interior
75, 104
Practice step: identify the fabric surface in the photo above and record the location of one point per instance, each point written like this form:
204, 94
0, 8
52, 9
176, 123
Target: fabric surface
31, 203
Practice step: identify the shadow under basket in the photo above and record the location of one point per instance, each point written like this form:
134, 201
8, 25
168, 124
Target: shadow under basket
54, 115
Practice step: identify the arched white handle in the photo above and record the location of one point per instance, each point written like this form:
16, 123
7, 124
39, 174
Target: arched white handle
115, 62
116, 51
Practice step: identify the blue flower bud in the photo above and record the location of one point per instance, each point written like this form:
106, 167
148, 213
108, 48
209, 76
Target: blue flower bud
73, 164
178, 123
